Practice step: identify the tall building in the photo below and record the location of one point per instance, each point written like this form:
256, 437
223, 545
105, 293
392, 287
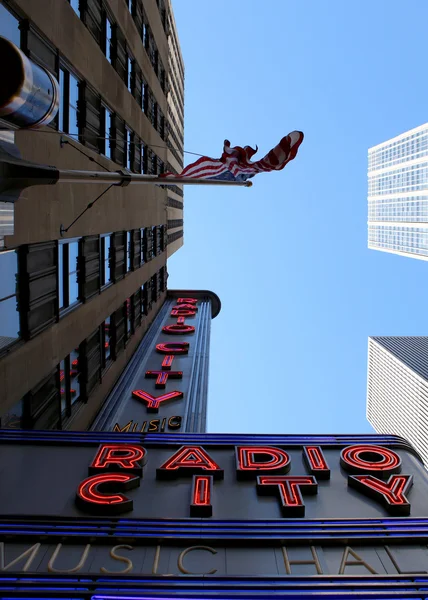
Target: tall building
398, 194
397, 388
80, 303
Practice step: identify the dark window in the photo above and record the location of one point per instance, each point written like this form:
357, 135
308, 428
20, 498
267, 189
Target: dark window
105, 340
144, 150
69, 377
90, 363
93, 19
154, 288
117, 332
108, 50
155, 240
136, 248
69, 104
89, 266
118, 255
143, 245
143, 300
9, 315
130, 74
148, 238
128, 149
128, 250
172, 237
9, 26
37, 284
128, 314
105, 260
108, 132
120, 146
136, 154
68, 273
144, 91
92, 119
136, 309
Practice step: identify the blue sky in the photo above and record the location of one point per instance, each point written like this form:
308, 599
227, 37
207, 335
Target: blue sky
288, 257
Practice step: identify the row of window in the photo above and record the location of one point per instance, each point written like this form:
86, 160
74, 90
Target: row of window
57, 397
98, 19
172, 223
172, 237
42, 282
82, 112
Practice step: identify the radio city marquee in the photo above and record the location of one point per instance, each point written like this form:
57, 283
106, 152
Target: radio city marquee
171, 364
204, 506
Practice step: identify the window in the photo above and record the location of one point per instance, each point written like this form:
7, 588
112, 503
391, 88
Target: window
155, 239
143, 300
109, 41
128, 250
73, 115
9, 26
143, 158
130, 74
128, 314
75, 6
105, 260
9, 315
143, 246
108, 132
143, 95
128, 148
106, 354
69, 107
68, 273
69, 378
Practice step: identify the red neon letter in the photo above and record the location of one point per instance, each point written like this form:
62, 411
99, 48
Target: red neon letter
392, 493
178, 329
173, 348
91, 499
256, 460
187, 300
290, 491
189, 460
153, 402
315, 462
167, 362
118, 457
191, 307
200, 505
370, 459
182, 312
163, 376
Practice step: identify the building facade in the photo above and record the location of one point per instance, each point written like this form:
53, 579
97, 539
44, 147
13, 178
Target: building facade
397, 388
398, 194
81, 300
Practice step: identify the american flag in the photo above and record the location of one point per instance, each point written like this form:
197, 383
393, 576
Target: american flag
235, 163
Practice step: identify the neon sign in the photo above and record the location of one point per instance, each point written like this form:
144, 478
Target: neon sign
185, 307
118, 467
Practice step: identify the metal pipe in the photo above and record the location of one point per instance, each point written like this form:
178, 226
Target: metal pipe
29, 94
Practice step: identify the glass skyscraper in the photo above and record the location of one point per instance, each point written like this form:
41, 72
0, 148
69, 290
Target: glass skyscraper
397, 388
398, 194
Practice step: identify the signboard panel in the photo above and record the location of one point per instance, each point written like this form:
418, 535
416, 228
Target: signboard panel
156, 393
241, 481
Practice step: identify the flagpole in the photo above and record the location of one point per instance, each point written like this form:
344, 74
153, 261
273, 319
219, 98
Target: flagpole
124, 178
17, 174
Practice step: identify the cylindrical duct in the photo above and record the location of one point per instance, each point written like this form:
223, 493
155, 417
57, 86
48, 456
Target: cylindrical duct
29, 94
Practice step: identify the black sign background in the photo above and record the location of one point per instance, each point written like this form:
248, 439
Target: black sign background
42, 479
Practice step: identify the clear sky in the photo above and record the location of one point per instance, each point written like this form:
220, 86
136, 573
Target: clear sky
288, 257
